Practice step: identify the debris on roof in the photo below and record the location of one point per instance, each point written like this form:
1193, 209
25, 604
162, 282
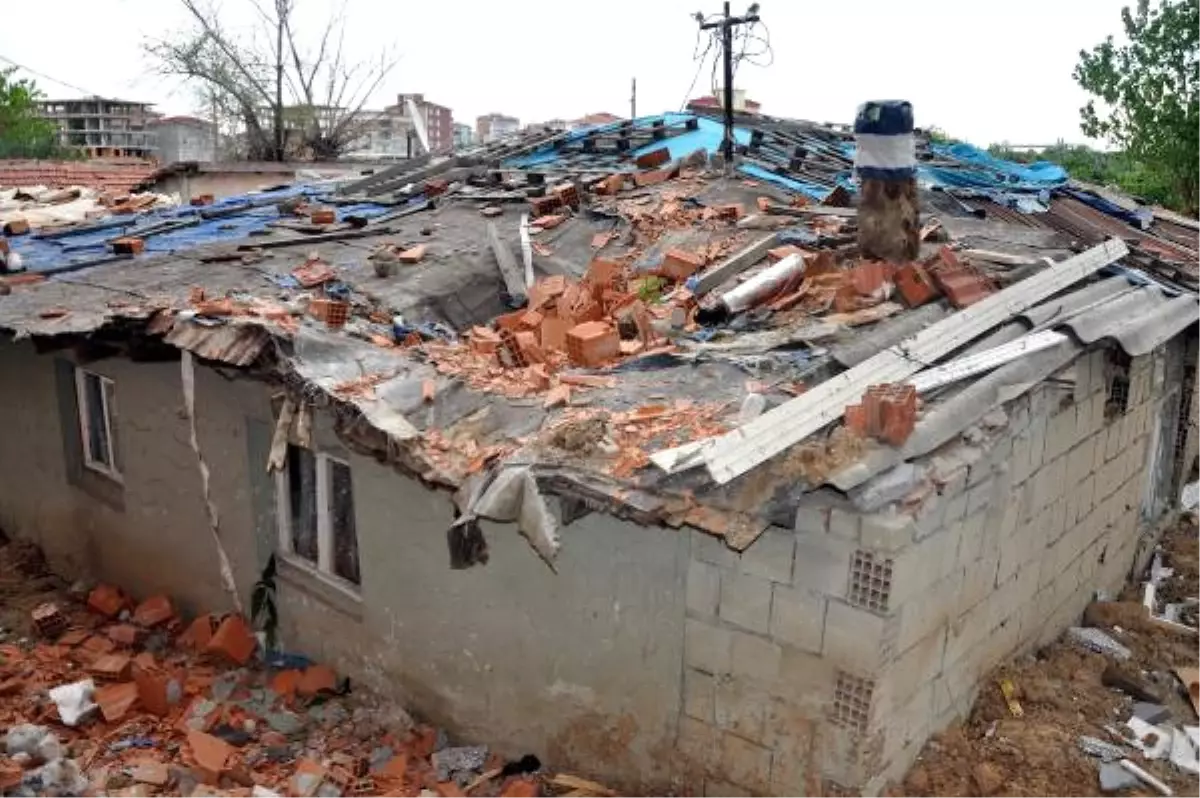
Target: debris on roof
600, 310
115, 176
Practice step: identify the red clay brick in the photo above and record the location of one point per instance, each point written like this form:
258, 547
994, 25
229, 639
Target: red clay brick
567, 194
613, 184
653, 159
887, 412
413, 254
210, 755
643, 179
915, 285
544, 206
97, 645
110, 667
592, 343
527, 342
434, 187
949, 258
233, 640
322, 216
160, 691
963, 287
124, 634
199, 632
107, 600
128, 246
679, 264
730, 213
153, 611
17, 227
12, 686
601, 273
116, 699
48, 619
316, 679
156, 773
548, 222
484, 341
786, 251
554, 333
200, 200
763, 204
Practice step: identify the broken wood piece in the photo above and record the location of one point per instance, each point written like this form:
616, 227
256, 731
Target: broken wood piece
734, 265
581, 786
413, 254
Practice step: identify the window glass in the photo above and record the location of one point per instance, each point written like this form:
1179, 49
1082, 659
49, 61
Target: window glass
341, 520
97, 428
302, 487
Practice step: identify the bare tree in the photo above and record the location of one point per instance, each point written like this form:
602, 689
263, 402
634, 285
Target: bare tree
289, 100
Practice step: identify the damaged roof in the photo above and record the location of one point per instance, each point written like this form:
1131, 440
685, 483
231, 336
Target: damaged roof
676, 316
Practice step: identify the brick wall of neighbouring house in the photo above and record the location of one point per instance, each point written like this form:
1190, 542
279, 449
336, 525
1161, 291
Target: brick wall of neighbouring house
832, 654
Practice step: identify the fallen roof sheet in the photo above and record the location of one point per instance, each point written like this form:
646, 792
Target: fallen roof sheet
776, 430
1139, 321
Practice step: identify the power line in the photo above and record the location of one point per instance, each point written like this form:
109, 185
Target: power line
44, 76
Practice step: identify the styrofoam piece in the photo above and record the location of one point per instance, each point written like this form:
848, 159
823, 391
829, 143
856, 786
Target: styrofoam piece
1153, 741
1183, 753
74, 700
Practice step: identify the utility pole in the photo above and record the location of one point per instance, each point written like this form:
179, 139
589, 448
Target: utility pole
727, 25
633, 100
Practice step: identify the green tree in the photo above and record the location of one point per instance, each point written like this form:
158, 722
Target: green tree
1149, 89
23, 133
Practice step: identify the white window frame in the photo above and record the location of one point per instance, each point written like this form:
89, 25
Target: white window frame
82, 403
325, 544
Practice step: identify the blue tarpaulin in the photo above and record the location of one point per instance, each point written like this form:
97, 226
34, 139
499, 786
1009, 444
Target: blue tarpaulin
41, 254
980, 169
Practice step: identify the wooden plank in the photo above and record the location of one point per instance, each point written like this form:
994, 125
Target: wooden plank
510, 270
735, 264
759, 440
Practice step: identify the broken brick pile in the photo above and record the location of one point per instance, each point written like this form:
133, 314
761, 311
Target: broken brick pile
189, 709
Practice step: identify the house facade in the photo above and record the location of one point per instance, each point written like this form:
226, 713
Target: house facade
185, 138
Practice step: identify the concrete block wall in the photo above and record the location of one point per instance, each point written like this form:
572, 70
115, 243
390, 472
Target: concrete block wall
1029, 521
830, 653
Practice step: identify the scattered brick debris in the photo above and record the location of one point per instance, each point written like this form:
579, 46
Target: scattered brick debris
413, 255
313, 272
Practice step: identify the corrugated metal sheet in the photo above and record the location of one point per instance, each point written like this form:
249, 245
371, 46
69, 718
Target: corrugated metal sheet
771, 433
1139, 321
235, 344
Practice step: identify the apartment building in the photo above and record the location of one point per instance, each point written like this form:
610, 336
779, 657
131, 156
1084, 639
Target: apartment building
104, 127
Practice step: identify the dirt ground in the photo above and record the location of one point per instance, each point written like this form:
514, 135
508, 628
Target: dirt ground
1060, 691
226, 727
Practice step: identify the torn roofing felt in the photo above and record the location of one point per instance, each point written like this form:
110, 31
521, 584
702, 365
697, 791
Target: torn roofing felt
400, 318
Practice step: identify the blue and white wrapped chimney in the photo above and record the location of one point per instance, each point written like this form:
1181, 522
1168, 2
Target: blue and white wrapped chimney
886, 165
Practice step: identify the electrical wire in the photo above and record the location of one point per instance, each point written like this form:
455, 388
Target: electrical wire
700, 58
44, 76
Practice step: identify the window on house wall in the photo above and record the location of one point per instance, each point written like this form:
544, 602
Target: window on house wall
97, 422
315, 495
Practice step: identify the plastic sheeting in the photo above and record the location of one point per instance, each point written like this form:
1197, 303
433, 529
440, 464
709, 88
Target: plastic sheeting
980, 169
41, 254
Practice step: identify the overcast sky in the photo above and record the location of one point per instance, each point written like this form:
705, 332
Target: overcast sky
985, 72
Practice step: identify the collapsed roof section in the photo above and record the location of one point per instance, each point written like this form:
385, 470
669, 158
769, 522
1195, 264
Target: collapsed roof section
595, 313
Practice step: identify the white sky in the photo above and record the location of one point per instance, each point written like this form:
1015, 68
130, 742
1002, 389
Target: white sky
983, 71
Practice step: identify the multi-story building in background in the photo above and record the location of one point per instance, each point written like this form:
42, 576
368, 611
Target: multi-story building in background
103, 127
385, 135
182, 139
464, 136
439, 120
490, 127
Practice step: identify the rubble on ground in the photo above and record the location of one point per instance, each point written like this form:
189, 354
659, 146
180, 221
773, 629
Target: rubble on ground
102, 695
1111, 708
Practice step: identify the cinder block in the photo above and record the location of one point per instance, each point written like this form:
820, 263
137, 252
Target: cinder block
1112, 440
916, 666
925, 613
928, 517
1037, 442
812, 520
844, 524
855, 640
1020, 458
955, 508
711, 549
970, 544
703, 588
822, 565
755, 658
1080, 460
698, 691
798, 618
770, 557
740, 707
923, 564
789, 770
887, 532
806, 681
744, 762
1061, 433
746, 601
698, 742
706, 647
1083, 378
980, 496
966, 632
